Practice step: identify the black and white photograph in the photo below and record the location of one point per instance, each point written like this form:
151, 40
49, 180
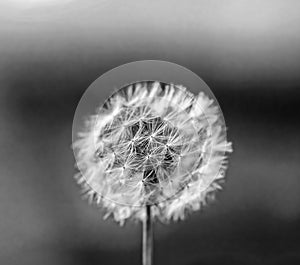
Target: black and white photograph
149, 132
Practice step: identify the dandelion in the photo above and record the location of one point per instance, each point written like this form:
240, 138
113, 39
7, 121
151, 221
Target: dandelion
156, 146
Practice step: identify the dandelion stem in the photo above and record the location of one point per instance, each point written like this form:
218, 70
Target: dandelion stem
147, 237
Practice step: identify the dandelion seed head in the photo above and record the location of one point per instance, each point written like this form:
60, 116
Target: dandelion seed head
155, 144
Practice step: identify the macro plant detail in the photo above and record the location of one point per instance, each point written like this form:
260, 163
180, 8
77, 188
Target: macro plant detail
152, 144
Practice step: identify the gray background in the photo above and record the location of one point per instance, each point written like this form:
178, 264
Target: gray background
248, 52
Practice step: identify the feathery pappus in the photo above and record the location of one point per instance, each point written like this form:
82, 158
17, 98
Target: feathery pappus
154, 144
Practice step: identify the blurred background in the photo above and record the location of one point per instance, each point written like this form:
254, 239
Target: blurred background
248, 52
